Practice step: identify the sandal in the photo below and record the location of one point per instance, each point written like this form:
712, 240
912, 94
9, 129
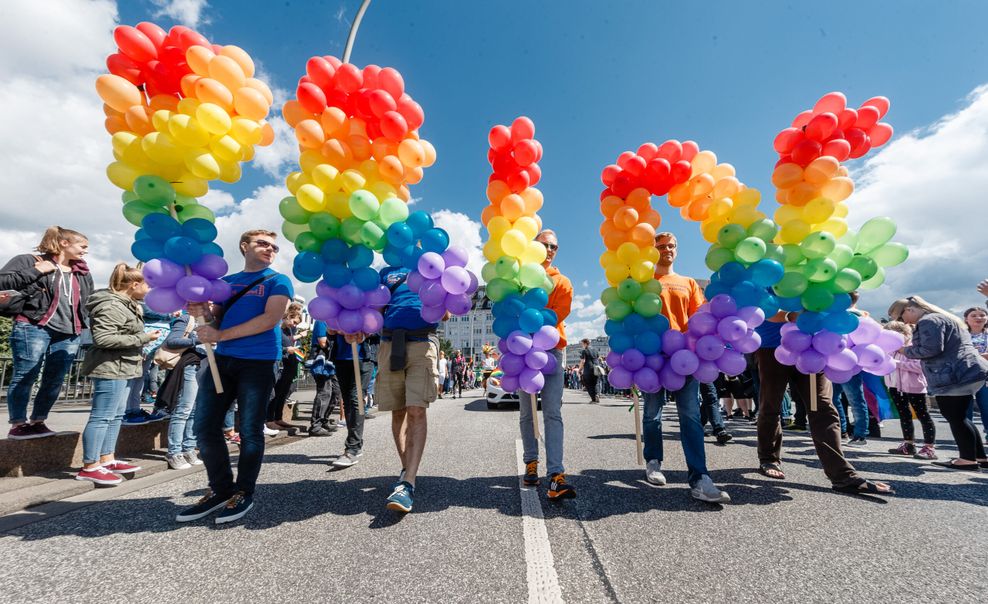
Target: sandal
766, 468
865, 487
963, 467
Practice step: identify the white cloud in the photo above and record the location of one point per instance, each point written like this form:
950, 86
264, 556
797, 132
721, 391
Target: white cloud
281, 156
932, 182
218, 201
465, 233
586, 284
593, 310
186, 12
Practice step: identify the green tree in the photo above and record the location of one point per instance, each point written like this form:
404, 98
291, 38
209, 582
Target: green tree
446, 346
5, 327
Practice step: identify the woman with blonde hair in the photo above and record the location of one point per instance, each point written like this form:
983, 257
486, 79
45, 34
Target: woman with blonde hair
46, 295
953, 369
114, 360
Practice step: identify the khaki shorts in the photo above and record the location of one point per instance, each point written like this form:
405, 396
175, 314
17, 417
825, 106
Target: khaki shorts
416, 386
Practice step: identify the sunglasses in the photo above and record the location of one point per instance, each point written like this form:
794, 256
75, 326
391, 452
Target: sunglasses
552, 247
261, 243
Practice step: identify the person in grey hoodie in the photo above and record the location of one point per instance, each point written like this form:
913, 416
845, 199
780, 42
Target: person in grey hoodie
118, 333
954, 372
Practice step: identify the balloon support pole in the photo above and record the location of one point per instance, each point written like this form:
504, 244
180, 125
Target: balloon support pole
638, 427
356, 378
353, 30
813, 392
535, 415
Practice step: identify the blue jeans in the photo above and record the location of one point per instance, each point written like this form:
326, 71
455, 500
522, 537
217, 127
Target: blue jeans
690, 428
552, 418
710, 407
855, 398
100, 435
251, 383
33, 346
137, 386
842, 414
981, 401
181, 431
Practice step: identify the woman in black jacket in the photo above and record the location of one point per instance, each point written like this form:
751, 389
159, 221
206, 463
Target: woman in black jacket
48, 298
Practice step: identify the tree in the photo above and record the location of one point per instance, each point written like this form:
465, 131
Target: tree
446, 346
5, 327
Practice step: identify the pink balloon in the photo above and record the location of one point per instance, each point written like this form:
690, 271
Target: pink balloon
867, 331
455, 279
373, 321
889, 341
546, 337
753, 316
414, 281
456, 256
431, 265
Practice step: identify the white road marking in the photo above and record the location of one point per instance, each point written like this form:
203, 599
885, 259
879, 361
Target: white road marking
543, 583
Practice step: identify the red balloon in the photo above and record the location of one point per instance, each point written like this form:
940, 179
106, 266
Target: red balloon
846, 118
348, 78
880, 134
608, 174
624, 158
878, 102
832, 102
518, 181
411, 111
393, 126
690, 149
538, 145
647, 151
636, 165
658, 176
503, 164
786, 140
380, 102
867, 117
802, 119
121, 65
312, 98
671, 151
320, 72
821, 126
134, 44
806, 151
534, 174
153, 32
390, 80
681, 171
837, 148
499, 137
521, 129
525, 152
333, 61
623, 184
362, 100
337, 98
374, 130
371, 73
862, 147
188, 38
855, 137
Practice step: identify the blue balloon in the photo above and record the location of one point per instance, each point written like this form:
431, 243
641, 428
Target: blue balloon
536, 298
410, 256
435, 240
141, 234
621, 342
648, 342
634, 323
715, 289
841, 303
530, 320
658, 323
147, 249
366, 278
549, 317
359, 256
790, 304
308, 267
183, 250
419, 222
731, 273
212, 248
766, 272
392, 256
841, 322
336, 275
746, 293
161, 226
400, 235
199, 229
769, 304
810, 322
613, 328
335, 251
503, 326
513, 305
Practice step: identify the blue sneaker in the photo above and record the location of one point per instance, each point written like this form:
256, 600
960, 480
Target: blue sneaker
137, 419
158, 415
236, 508
401, 499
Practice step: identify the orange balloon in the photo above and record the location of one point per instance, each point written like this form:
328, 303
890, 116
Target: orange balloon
309, 134
115, 123
679, 195
513, 207
333, 121
614, 238
403, 193
625, 218
188, 85
838, 189
820, 170
699, 209
293, 112
391, 169
163, 101
801, 194
642, 234
267, 135
701, 185
226, 71
138, 120
360, 146
430, 152
118, 92
209, 90
262, 88
337, 152
488, 213
413, 176
533, 200
241, 57
497, 190
382, 147
640, 199
651, 217
250, 103
610, 204
786, 176
110, 111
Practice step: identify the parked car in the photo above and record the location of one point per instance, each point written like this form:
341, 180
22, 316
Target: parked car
499, 399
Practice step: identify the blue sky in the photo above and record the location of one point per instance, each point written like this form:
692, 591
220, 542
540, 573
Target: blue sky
599, 78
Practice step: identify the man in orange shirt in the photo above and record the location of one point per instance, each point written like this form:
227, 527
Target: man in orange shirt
681, 298
560, 302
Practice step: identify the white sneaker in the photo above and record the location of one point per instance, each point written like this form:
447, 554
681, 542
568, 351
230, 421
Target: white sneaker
653, 473
270, 432
192, 457
346, 460
178, 462
706, 490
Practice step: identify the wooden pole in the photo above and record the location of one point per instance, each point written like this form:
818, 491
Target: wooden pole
356, 376
813, 392
535, 415
638, 427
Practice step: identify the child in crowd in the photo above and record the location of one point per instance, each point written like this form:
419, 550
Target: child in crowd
907, 387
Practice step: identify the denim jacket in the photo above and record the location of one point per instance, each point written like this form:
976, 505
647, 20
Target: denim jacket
949, 358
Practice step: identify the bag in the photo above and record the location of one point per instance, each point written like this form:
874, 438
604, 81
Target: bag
167, 358
598, 370
14, 305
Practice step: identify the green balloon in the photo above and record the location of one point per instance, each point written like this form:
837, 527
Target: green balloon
324, 225
291, 211
129, 196
731, 235
489, 272
135, 211
846, 281
791, 255
817, 298
818, 244
774, 252
292, 230
154, 190
629, 290
792, 284
350, 230
652, 286
648, 305
499, 289
765, 229
890, 254
393, 210
820, 270
364, 204
850, 239
874, 234
842, 255
875, 281
749, 250
372, 235
548, 284
717, 257
531, 274
507, 267
609, 295
617, 310
308, 242
865, 266
188, 212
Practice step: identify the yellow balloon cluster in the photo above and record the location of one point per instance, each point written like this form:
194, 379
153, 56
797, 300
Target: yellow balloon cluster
812, 198
192, 140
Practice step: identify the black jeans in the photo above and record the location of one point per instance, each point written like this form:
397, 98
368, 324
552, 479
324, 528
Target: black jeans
328, 396
590, 381
353, 407
710, 407
954, 410
282, 388
903, 401
250, 383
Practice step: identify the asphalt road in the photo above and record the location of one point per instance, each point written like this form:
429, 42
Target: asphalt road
322, 535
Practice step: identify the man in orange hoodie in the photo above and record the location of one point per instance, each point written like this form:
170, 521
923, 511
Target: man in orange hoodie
560, 302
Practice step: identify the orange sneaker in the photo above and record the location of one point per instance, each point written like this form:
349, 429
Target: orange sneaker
531, 477
558, 489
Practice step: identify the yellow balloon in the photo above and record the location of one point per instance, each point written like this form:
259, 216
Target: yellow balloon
188, 106
818, 210
187, 131
513, 242
161, 149
247, 132
650, 254
311, 198
122, 175
616, 273
159, 119
226, 148
498, 226
309, 159
213, 118
190, 186
352, 180
492, 250
720, 207
248, 153
324, 175
607, 258
787, 213
794, 231
747, 197
202, 164
292, 182
535, 253
230, 171
642, 271
710, 227
338, 204
745, 215
121, 140
628, 253
528, 227
835, 226
382, 190
840, 211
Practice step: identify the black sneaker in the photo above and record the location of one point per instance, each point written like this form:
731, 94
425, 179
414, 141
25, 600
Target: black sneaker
559, 489
724, 437
531, 477
209, 503
319, 431
236, 508
856, 442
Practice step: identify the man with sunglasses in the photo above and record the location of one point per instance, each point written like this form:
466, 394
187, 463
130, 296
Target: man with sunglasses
247, 334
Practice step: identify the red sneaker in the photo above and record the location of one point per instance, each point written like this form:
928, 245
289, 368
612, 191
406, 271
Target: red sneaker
99, 475
119, 467
29, 431
232, 438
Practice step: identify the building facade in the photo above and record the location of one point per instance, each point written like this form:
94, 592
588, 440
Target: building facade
472, 331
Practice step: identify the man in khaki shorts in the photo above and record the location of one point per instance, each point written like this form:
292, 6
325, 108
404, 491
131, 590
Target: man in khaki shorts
408, 362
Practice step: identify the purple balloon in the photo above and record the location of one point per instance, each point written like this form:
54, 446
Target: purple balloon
707, 372
843, 360
702, 323
749, 343
886, 367
869, 355
333, 323
414, 281
455, 279
684, 362
732, 328
827, 342
889, 341
723, 305
512, 364
546, 337
220, 290
350, 297
671, 380
536, 359
672, 341
632, 360
810, 361
322, 308
325, 290
502, 346
531, 381
550, 366
458, 304
709, 348
378, 296
613, 359
432, 293
164, 300
509, 383
867, 331
373, 321
474, 283
620, 378
433, 314
455, 256
796, 340
786, 356
752, 315
194, 288
647, 379
431, 265
351, 321
210, 266
654, 361
161, 272
839, 376
732, 362
519, 342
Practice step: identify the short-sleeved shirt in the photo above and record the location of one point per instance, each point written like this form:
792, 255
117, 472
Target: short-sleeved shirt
771, 334
980, 341
405, 309
318, 331
589, 360
681, 297
264, 346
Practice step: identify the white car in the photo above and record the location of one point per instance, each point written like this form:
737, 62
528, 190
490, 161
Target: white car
499, 399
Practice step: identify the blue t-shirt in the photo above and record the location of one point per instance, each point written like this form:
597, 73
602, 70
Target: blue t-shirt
771, 334
405, 309
318, 331
342, 351
264, 346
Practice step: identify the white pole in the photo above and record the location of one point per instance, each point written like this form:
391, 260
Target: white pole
353, 30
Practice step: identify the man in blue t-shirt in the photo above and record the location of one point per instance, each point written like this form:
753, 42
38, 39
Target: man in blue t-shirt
248, 348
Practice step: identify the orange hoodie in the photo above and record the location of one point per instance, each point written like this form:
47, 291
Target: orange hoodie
560, 301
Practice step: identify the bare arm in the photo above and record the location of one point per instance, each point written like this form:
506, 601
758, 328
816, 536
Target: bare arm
274, 310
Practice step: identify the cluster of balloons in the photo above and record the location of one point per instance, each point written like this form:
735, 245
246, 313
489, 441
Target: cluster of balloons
181, 108
516, 281
840, 356
443, 283
349, 309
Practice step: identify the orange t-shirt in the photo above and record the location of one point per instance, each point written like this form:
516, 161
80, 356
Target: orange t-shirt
681, 297
560, 301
